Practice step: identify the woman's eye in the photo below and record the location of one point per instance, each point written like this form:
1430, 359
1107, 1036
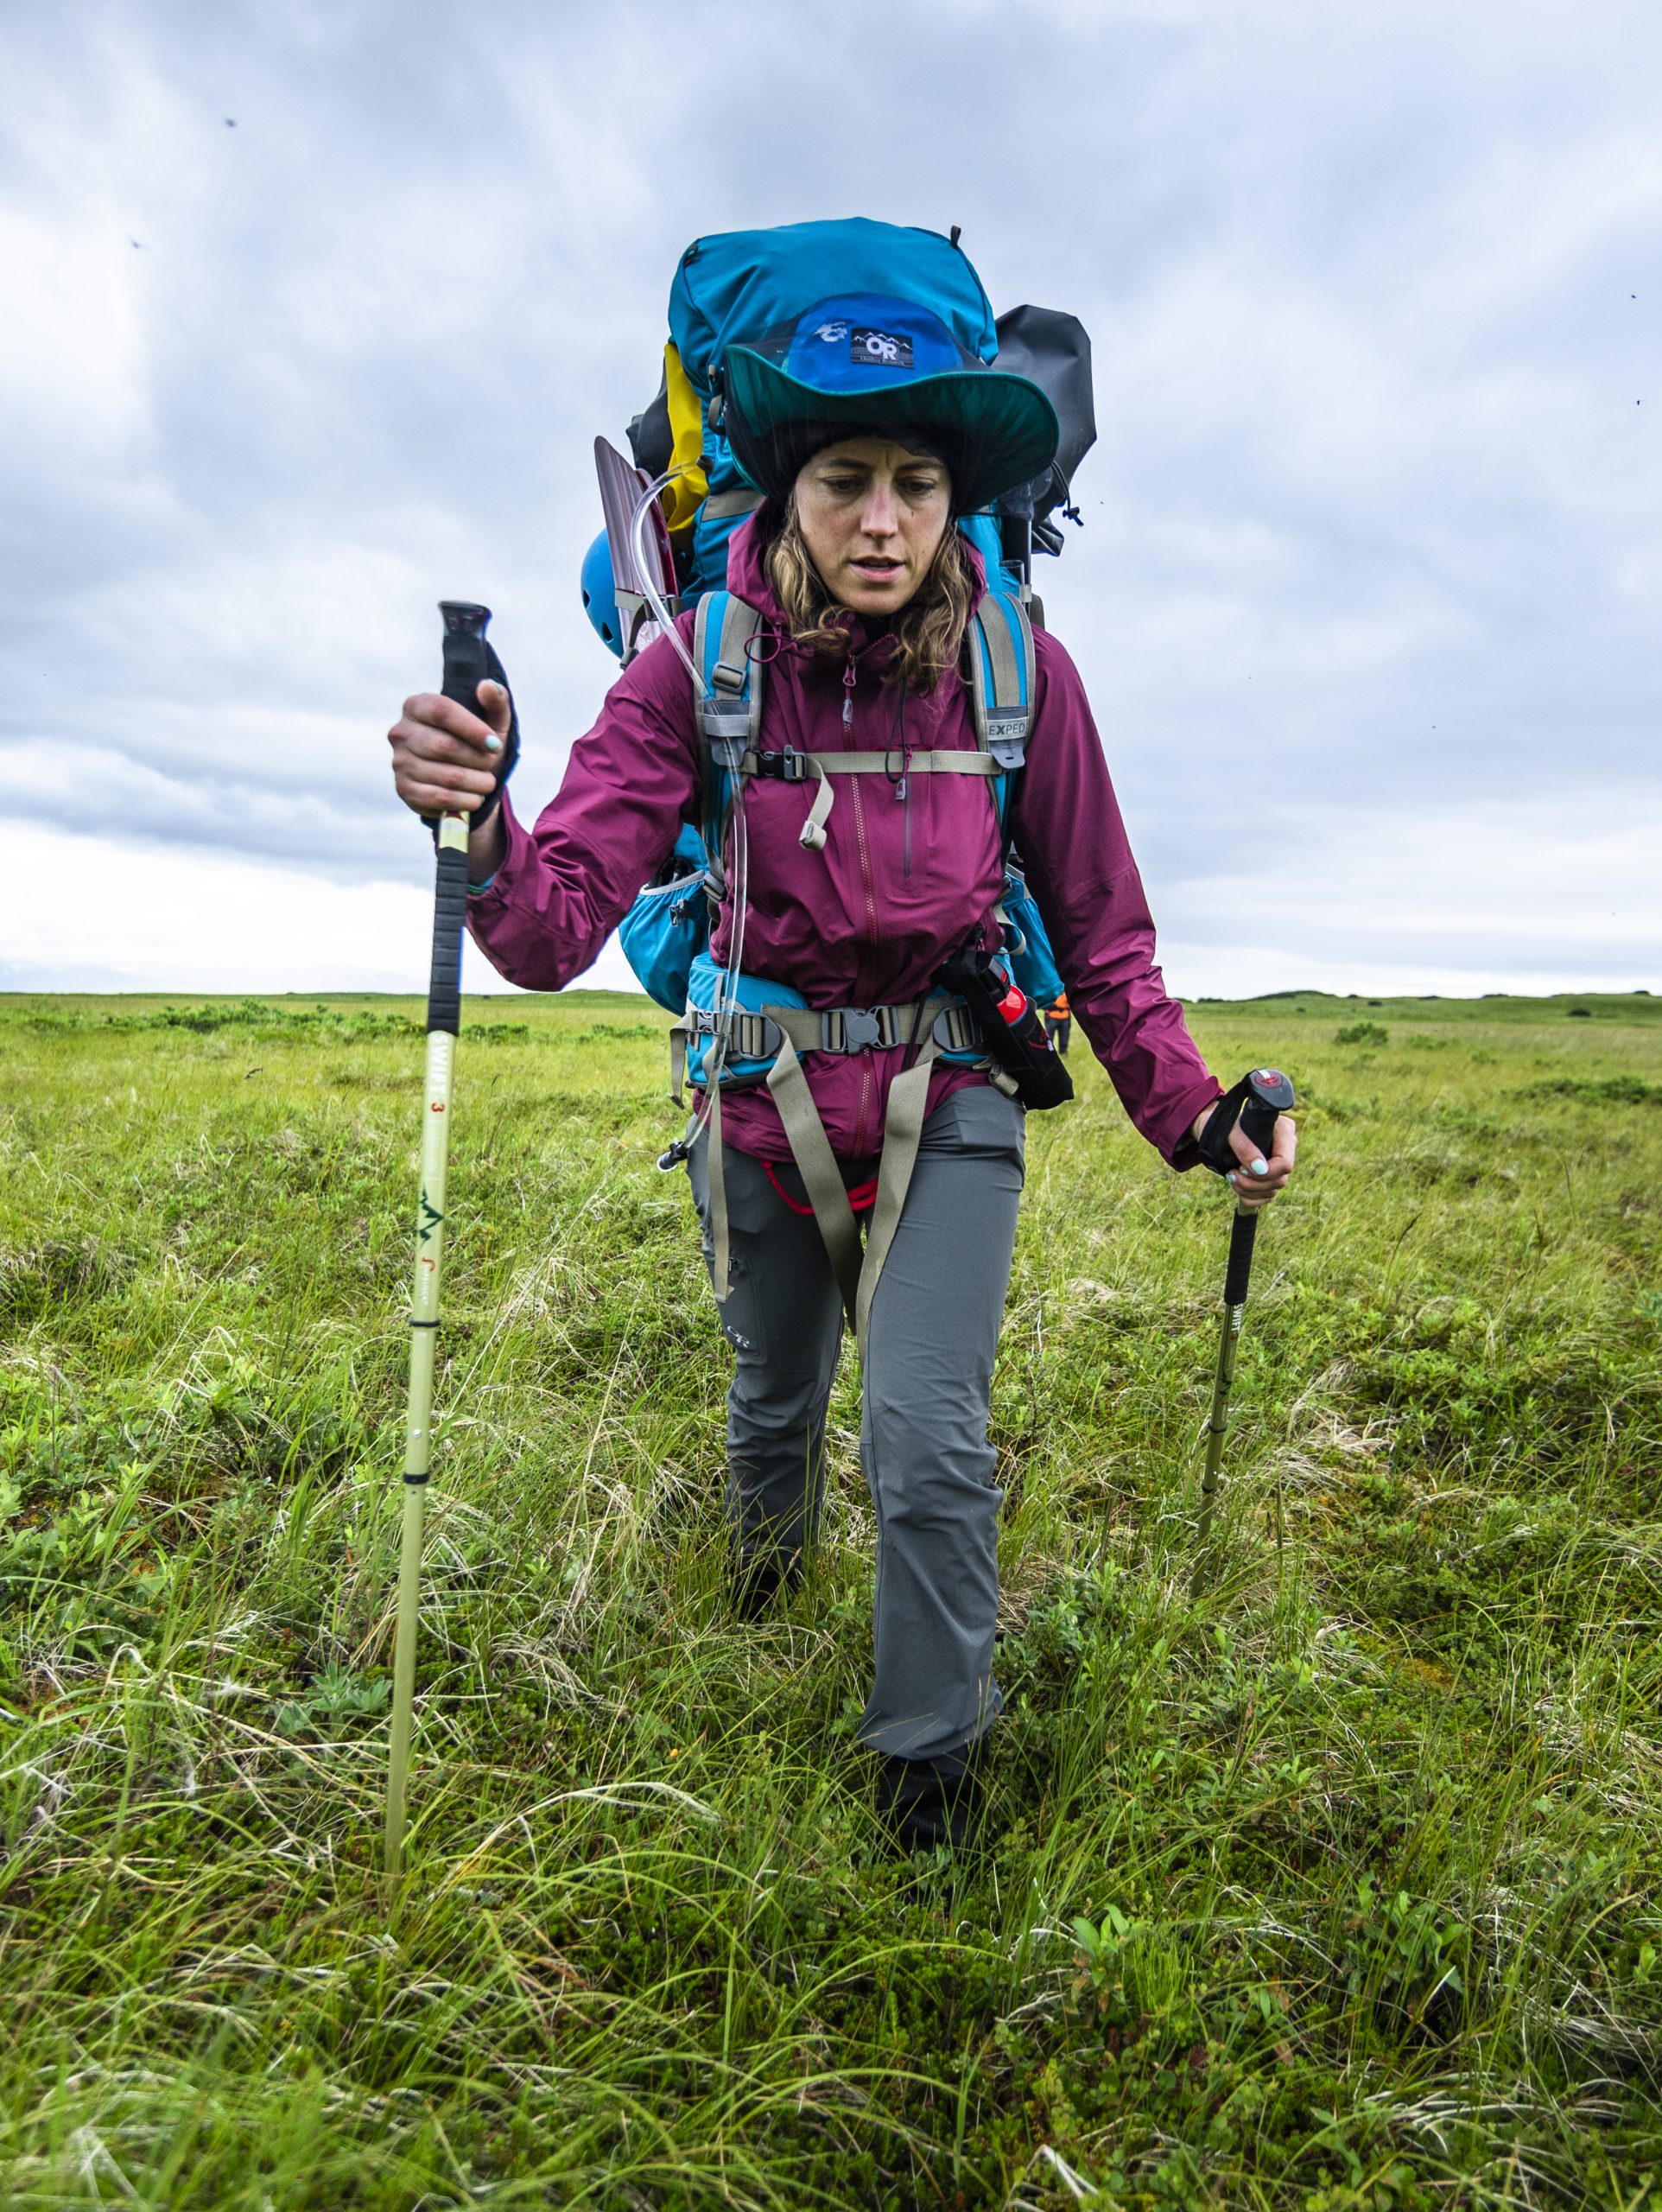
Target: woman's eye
916, 489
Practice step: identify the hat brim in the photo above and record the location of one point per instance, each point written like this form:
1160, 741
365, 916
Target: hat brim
1001, 430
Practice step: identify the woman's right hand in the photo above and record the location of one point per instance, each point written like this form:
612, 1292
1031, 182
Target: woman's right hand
445, 761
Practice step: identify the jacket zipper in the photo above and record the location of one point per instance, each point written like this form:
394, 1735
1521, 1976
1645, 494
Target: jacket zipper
864, 1113
869, 889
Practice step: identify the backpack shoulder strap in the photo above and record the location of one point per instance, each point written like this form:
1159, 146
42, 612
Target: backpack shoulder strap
722, 630
1001, 646
727, 701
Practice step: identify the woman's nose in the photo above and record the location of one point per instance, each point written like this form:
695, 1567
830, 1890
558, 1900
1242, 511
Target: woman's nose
877, 516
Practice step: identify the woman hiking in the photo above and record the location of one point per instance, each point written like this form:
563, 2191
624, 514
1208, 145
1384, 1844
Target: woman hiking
864, 589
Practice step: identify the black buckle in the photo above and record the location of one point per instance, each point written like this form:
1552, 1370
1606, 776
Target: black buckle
762, 1031
788, 766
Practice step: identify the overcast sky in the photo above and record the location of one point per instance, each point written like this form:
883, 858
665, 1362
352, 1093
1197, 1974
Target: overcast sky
311, 312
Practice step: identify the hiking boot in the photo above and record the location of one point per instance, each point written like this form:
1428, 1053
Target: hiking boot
755, 1584
926, 1803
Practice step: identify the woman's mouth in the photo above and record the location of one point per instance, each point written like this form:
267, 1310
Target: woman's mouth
878, 570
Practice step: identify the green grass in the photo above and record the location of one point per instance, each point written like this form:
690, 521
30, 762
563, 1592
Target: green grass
1336, 1888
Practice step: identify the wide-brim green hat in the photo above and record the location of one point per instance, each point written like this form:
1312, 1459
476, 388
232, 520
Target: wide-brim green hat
866, 366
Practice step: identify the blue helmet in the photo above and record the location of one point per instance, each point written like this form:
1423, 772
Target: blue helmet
600, 596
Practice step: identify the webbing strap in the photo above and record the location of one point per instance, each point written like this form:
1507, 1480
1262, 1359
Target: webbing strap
827, 764
811, 835
741, 501
726, 711
851, 1029
718, 1180
930, 763
739, 623
800, 1029
903, 1131
752, 1034
811, 1150
734, 622
1007, 688
1001, 665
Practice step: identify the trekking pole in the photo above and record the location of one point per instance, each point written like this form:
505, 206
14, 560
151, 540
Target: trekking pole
1256, 1099
467, 662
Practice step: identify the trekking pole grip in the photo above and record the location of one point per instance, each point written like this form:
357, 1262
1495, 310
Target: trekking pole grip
1243, 1230
467, 662
1257, 1120
449, 919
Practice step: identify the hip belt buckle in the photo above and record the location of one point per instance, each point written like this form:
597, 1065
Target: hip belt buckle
860, 1027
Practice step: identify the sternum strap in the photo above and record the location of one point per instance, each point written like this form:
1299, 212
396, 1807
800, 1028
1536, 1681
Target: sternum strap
921, 763
824, 765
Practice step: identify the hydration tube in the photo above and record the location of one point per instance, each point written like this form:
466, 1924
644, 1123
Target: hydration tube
665, 621
643, 568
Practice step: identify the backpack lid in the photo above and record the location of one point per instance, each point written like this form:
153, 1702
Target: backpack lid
868, 363
735, 284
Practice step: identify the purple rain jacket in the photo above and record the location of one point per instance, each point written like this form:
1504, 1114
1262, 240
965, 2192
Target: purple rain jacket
868, 920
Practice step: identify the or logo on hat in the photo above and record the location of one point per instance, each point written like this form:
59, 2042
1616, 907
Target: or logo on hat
880, 349
830, 332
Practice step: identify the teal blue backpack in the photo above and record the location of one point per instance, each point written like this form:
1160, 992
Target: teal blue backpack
732, 287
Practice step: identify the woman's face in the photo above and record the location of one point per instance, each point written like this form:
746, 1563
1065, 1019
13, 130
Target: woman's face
873, 516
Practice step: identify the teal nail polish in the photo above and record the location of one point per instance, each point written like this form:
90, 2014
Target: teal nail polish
1260, 1168
493, 744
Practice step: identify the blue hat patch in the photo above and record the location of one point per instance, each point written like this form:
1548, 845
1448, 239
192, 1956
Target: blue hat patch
864, 342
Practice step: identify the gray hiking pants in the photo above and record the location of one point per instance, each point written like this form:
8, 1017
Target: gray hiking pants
928, 1465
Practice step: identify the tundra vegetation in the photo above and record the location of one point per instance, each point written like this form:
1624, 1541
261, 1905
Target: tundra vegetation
1336, 1887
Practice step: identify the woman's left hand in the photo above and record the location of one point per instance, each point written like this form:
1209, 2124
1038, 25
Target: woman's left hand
1256, 1180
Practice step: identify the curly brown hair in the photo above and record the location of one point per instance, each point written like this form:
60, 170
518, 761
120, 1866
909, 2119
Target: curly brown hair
928, 631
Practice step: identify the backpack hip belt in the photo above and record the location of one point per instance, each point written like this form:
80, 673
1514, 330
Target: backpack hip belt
758, 1035
781, 1034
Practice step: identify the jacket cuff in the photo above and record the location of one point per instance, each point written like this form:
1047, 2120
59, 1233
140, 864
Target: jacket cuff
1182, 1150
496, 883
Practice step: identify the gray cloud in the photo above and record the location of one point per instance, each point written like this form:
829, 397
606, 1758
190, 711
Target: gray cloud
1372, 538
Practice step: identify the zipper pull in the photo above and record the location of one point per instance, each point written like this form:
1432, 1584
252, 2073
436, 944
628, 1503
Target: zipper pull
848, 694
